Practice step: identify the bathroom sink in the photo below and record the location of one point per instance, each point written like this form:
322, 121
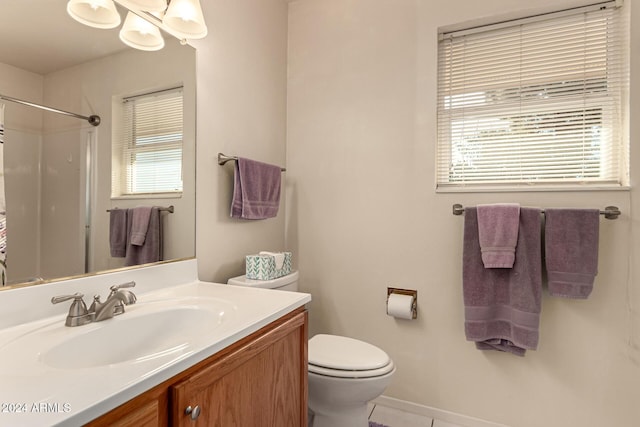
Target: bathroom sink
166, 329
134, 338
94, 368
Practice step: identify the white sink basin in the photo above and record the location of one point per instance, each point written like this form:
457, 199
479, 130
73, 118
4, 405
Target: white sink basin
134, 338
146, 331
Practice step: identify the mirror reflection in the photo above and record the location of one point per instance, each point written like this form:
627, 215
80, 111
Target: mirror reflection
59, 171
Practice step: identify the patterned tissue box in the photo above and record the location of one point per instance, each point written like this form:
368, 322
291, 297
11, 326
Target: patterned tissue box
263, 267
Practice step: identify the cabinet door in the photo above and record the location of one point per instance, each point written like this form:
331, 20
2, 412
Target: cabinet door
146, 410
145, 416
262, 382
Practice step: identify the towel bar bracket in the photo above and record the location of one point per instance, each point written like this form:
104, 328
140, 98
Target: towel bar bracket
610, 212
458, 209
223, 158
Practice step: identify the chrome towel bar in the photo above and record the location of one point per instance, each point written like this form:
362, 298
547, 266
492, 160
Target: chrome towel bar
610, 212
223, 158
169, 209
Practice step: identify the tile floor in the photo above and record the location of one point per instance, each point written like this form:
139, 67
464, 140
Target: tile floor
395, 418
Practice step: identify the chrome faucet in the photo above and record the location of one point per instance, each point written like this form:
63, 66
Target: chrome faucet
113, 306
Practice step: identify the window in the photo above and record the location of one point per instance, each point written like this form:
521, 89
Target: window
534, 102
147, 157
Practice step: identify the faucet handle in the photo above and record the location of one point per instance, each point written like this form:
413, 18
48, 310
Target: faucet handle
78, 314
122, 286
61, 298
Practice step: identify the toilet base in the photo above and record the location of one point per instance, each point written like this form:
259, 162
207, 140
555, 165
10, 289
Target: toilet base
352, 417
342, 402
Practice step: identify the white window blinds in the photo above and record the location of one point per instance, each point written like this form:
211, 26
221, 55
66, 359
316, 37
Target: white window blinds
149, 153
534, 102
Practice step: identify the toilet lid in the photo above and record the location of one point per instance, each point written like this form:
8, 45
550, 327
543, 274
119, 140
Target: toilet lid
343, 353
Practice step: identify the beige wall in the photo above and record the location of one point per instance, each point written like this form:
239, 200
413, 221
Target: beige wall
241, 73
362, 214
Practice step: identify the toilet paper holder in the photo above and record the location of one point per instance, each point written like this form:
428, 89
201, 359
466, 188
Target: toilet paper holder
411, 292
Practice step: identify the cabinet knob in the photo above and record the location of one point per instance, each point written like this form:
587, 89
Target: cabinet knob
193, 412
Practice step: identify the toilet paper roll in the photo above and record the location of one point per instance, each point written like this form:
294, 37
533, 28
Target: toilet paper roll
400, 306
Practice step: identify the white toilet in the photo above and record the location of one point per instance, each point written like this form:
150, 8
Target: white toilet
344, 373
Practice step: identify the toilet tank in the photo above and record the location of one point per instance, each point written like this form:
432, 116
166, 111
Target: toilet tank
284, 283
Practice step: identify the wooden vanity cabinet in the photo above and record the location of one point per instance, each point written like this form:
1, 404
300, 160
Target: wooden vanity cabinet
259, 381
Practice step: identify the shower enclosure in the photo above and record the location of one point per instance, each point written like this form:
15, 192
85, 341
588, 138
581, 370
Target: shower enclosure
49, 182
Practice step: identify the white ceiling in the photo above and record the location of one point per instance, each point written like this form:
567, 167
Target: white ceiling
39, 36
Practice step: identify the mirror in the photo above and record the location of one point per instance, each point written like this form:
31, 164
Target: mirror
57, 169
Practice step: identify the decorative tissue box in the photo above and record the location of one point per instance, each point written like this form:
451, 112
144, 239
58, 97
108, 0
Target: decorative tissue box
264, 266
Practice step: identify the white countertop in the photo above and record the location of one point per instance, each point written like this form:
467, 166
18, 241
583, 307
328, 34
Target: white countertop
33, 393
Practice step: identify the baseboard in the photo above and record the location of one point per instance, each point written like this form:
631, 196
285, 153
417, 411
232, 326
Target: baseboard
439, 414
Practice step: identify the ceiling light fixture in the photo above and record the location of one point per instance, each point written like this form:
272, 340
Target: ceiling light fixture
183, 19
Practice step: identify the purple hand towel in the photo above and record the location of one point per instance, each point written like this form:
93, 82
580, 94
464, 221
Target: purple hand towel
151, 250
118, 232
498, 233
256, 190
139, 224
571, 251
502, 306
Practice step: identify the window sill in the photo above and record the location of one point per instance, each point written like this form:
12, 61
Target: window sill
533, 188
148, 196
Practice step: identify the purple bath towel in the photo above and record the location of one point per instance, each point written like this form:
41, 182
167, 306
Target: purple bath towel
502, 306
118, 232
256, 190
151, 250
139, 224
498, 233
571, 251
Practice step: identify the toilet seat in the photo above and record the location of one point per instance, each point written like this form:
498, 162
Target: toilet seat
344, 357
338, 373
